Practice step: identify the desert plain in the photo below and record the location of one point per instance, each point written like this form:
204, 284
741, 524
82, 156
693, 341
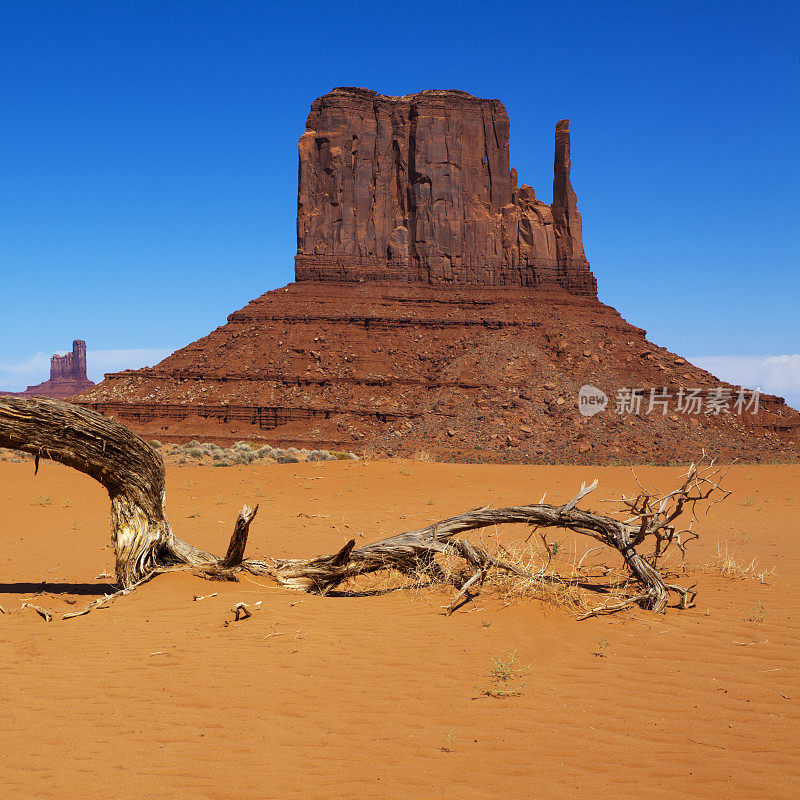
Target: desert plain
369, 694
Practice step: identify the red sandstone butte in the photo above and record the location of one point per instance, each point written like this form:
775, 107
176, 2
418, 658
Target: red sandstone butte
419, 188
437, 308
67, 375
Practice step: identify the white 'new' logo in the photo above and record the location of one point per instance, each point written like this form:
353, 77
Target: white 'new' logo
591, 400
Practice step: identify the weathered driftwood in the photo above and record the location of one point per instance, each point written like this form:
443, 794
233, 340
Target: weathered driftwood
131, 471
413, 551
133, 474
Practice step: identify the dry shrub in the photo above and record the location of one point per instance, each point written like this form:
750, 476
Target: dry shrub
422, 455
730, 567
554, 594
562, 589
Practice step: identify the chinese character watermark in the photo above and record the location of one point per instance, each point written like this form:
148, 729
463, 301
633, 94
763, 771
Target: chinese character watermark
714, 401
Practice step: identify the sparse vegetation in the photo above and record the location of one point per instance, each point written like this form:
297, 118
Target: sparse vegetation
449, 740
505, 668
243, 453
732, 568
41, 500
505, 674
602, 646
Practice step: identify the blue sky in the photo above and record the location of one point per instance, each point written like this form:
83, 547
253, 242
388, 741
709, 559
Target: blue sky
149, 154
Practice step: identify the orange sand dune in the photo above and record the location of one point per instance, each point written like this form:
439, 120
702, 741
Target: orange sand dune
375, 697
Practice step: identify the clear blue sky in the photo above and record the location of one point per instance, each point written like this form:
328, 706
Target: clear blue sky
149, 153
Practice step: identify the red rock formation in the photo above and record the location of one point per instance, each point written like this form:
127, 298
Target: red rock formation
567, 222
67, 375
418, 188
72, 366
438, 307
466, 373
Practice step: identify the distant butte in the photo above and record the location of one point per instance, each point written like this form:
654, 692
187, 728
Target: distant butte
438, 310
67, 376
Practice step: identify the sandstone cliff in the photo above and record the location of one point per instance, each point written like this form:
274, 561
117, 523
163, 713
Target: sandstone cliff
418, 188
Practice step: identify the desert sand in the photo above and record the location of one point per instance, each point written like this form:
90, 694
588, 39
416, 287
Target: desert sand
380, 696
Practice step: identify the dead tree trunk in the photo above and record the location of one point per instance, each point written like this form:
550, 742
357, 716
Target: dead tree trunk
133, 474
131, 471
412, 551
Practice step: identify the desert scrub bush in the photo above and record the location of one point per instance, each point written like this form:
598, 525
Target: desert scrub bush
41, 500
505, 671
155, 444
222, 463
194, 452
748, 501
505, 668
341, 455
320, 455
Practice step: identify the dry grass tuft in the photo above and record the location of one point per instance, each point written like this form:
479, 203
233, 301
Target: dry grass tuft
562, 588
730, 567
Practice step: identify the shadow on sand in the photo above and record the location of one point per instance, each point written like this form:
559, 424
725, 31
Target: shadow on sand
44, 587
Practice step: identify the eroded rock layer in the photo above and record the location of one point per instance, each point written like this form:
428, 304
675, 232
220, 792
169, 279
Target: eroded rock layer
418, 188
472, 373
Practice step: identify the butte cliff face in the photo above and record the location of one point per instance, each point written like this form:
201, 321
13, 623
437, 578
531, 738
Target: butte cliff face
67, 375
438, 307
418, 188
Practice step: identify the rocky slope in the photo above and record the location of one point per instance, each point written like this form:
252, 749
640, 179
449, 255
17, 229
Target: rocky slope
476, 374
